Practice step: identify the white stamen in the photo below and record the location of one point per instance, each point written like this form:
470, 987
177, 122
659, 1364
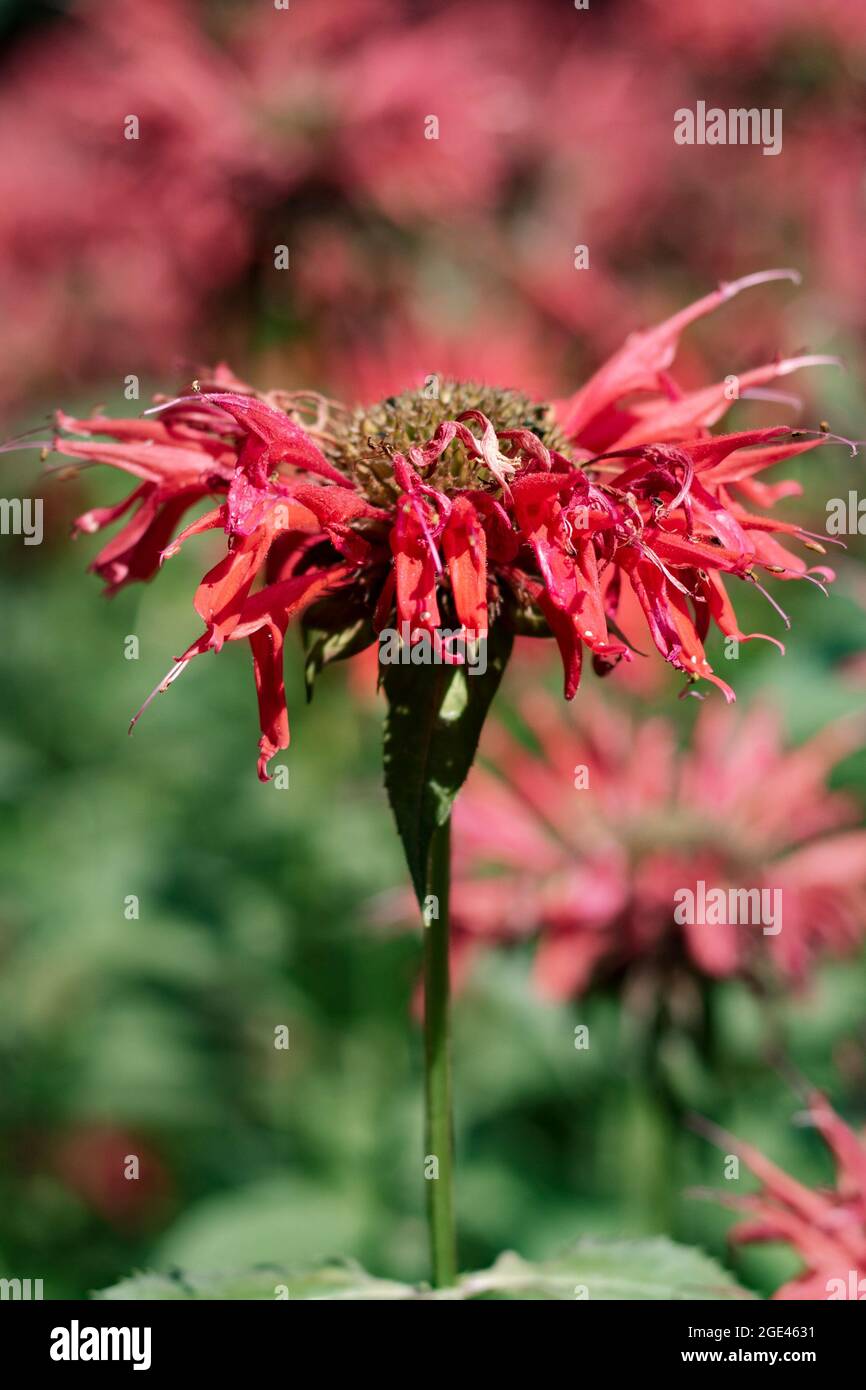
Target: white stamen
166, 681
760, 277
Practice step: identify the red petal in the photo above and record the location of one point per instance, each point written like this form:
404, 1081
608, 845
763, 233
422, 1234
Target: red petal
415, 570
465, 546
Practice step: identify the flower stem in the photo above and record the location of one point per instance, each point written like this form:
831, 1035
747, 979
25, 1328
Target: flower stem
437, 1064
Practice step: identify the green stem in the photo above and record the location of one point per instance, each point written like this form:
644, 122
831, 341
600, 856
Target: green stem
437, 1064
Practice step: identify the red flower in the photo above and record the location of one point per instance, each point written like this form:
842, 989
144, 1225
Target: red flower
586, 843
152, 226
460, 505
92, 1160
826, 1228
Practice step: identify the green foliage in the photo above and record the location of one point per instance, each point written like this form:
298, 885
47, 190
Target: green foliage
434, 721
334, 629
599, 1270
593, 1270
343, 1281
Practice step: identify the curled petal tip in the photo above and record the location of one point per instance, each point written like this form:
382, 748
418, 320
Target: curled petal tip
166, 405
759, 277
812, 359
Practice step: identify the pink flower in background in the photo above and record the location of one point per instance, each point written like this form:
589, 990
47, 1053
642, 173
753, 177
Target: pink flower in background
112, 246
93, 1161
709, 31
311, 127
827, 1228
490, 349
460, 505
109, 245
585, 842
249, 129
427, 115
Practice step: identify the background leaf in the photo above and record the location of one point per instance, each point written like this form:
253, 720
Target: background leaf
334, 629
649, 1269
343, 1281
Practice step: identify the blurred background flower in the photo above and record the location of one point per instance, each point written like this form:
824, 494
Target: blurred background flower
826, 1227
126, 260
585, 839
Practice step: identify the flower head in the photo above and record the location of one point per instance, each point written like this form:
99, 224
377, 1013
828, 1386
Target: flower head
826, 1228
458, 505
591, 842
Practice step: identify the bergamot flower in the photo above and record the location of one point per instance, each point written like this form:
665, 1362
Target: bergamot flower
457, 506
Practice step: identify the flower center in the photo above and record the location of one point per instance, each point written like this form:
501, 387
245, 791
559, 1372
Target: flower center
370, 434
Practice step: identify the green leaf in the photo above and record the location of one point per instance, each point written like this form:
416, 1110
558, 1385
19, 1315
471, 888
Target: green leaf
592, 1269
280, 1219
434, 721
338, 1281
322, 648
595, 1269
333, 629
